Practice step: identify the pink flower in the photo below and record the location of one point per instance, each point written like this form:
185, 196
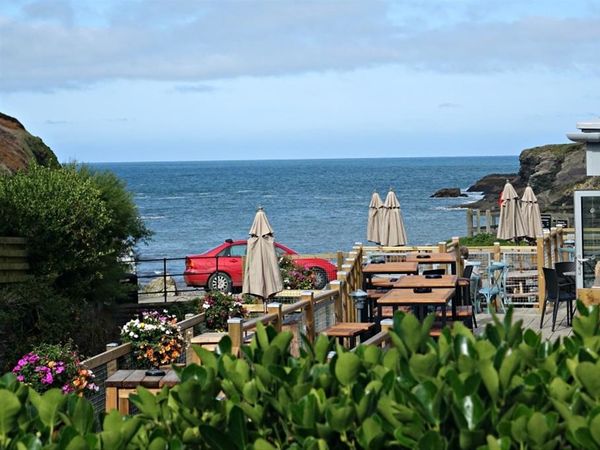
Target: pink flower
21, 378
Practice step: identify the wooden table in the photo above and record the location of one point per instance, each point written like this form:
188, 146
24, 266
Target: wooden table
406, 297
348, 330
420, 281
122, 383
390, 268
434, 258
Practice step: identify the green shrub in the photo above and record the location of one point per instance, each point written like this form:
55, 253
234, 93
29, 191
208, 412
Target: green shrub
505, 389
487, 240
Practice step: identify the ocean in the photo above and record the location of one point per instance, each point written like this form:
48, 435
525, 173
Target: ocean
313, 205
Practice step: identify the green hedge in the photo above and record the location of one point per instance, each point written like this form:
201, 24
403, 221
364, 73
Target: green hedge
505, 389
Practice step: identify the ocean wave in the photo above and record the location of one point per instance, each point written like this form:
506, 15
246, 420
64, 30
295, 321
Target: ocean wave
172, 197
245, 191
153, 217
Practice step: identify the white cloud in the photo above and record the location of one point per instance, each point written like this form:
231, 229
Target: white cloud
191, 42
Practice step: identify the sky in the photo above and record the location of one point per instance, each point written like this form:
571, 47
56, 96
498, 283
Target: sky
159, 80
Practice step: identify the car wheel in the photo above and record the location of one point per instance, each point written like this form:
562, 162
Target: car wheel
220, 281
321, 279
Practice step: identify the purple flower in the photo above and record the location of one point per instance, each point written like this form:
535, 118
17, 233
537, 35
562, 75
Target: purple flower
21, 378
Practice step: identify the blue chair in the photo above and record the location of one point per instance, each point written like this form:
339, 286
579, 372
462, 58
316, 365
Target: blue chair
497, 273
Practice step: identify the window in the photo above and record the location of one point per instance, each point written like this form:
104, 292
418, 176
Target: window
238, 250
280, 252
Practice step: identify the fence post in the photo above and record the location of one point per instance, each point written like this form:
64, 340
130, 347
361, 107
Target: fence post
497, 253
275, 308
540, 266
111, 366
478, 221
188, 334
349, 287
343, 314
165, 279
442, 247
469, 222
547, 249
488, 221
459, 261
340, 259
236, 332
386, 324
554, 240
560, 241
337, 301
309, 314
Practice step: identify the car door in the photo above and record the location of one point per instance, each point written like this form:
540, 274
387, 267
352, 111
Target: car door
234, 261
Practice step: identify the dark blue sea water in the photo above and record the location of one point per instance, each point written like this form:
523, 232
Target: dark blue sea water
313, 205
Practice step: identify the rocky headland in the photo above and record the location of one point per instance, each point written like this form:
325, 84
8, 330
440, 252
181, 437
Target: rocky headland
554, 172
19, 148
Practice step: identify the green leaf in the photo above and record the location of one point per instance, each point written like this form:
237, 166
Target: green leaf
595, 428
225, 345
261, 444
339, 418
322, 347
537, 428
432, 440
216, 439
423, 365
207, 358
410, 332
509, 366
347, 368
9, 412
370, 434
490, 378
49, 405
589, 376
237, 427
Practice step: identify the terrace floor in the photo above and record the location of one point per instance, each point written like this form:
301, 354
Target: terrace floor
531, 319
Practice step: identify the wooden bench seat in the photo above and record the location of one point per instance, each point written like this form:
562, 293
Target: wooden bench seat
348, 330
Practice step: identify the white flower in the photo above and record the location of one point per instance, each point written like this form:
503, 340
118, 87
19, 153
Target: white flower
205, 305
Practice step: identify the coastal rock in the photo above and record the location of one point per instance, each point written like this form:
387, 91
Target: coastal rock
554, 172
448, 192
19, 148
156, 286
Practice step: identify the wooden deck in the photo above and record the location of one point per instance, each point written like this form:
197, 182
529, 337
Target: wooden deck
531, 319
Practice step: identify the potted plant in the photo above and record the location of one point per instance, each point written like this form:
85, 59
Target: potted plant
295, 276
156, 340
50, 366
218, 307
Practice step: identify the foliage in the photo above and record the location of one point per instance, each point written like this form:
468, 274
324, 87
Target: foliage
295, 276
218, 307
156, 338
50, 366
77, 224
487, 240
505, 389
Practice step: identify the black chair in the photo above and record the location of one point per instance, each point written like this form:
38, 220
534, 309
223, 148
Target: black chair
434, 272
556, 295
464, 285
566, 282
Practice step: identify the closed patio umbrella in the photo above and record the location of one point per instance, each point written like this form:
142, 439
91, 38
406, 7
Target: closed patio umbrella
262, 276
374, 223
530, 210
392, 231
511, 222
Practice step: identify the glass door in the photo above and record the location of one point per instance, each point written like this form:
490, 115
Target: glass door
587, 236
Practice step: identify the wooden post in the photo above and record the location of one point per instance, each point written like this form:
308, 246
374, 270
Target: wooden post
459, 261
309, 314
488, 221
349, 287
338, 310
111, 366
478, 221
442, 247
540, 266
236, 333
560, 242
340, 259
341, 278
188, 334
547, 249
469, 222
386, 324
497, 252
554, 241
275, 308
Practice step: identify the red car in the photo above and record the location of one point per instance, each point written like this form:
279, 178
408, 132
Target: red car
221, 268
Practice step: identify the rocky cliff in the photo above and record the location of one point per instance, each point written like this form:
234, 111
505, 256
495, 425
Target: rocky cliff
18, 148
554, 172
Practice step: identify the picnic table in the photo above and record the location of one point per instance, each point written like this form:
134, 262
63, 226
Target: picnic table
121, 384
407, 297
434, 258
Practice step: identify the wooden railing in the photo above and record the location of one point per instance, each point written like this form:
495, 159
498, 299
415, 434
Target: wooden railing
14, 266
351, 279
310, 304
475, 224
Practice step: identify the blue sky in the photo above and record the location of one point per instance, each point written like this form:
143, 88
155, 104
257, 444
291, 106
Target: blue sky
151, 80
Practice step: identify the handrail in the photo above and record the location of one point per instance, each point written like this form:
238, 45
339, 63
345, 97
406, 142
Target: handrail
265, 319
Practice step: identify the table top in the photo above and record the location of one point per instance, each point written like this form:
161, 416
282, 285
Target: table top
391, 268
433, 258
130, 379
417, 281
406, 297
